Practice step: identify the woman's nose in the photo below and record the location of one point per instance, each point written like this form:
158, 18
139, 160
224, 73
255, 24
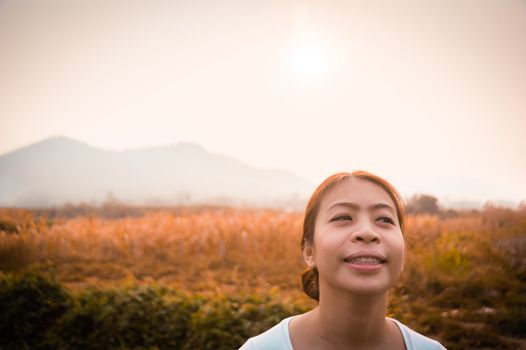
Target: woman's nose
365, 234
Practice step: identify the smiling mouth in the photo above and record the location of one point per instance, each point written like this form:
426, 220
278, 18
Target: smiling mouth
365, 259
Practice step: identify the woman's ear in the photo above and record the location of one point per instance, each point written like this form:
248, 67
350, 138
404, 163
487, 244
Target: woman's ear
308, 255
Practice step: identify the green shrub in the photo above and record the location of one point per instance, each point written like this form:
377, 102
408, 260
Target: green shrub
30, 306
459, 337
143, 317
226, 322
36, 312
512, 321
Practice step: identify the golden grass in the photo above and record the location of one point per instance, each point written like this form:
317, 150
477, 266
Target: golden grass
192, 250
199, 249
244, 249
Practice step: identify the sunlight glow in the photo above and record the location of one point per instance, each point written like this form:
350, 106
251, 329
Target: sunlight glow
310, 61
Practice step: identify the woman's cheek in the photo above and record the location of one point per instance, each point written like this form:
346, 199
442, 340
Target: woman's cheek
326, 245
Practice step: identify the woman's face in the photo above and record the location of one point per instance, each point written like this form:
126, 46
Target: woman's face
358, 245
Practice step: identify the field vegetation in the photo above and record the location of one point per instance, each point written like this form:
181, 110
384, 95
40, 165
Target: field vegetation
208, 277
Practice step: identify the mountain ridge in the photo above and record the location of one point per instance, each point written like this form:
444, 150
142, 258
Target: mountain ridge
61, 170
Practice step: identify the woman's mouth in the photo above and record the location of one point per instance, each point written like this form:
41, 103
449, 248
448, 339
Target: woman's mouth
365, 261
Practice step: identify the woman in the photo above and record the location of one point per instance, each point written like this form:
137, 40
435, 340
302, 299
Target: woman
353, 245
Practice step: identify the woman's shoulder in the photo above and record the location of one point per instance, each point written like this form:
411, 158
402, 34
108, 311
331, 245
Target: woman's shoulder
276, 338
417, 341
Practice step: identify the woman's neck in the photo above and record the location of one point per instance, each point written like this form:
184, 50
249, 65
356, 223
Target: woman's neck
344, 320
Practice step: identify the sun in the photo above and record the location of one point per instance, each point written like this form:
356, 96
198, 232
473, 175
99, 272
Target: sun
310, 60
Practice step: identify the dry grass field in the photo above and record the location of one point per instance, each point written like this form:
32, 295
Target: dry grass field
191, 249
464, 280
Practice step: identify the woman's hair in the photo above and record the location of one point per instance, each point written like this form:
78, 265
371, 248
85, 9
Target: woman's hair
309, 277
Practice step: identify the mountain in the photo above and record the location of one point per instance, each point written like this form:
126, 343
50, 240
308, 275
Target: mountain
60, 170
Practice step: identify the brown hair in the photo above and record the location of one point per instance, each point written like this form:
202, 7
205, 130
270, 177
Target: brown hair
309, 278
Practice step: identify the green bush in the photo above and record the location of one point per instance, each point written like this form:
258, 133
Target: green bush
512, 320
86, 325
30, 306
143, 317
36, 312
457, 337
225, 322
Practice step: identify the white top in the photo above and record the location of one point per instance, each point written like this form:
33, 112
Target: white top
277, 338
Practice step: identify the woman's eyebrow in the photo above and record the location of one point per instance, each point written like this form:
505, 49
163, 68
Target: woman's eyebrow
355, 206
382, 206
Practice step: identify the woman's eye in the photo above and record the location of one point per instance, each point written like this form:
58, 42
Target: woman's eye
386, 219
341, 218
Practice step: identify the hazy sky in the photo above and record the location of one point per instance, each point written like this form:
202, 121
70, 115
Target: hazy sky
429, 94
